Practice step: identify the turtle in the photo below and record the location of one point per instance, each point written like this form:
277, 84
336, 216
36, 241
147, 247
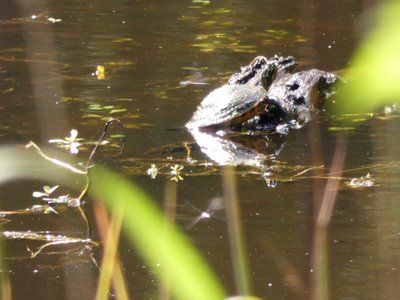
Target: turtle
297, 97
251, 73
232, 104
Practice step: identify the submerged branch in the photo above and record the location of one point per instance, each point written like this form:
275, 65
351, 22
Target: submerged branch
51, 239
54, 160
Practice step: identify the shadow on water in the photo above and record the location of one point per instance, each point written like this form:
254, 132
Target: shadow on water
316, 210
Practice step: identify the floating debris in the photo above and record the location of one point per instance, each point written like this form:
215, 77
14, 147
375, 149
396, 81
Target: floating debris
64, 200
51, 239
361, 182
34, 210
270, 182
53, 20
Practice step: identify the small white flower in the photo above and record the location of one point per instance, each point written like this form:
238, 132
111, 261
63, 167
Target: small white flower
152, 171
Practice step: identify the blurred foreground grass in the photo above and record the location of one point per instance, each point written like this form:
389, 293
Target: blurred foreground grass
374, 74
166, 251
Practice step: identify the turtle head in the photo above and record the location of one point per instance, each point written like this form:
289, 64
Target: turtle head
268, 75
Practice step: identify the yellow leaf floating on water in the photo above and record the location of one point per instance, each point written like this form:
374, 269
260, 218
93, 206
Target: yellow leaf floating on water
100, 72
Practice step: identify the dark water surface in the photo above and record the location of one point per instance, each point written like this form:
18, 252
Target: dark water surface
148, 48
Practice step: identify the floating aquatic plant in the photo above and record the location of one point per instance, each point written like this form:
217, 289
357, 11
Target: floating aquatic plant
71, 143
152, 171
176, 172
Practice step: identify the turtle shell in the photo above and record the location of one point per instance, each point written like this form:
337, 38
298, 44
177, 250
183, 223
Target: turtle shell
228, 105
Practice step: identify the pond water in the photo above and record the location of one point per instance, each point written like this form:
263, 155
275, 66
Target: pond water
49, 53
